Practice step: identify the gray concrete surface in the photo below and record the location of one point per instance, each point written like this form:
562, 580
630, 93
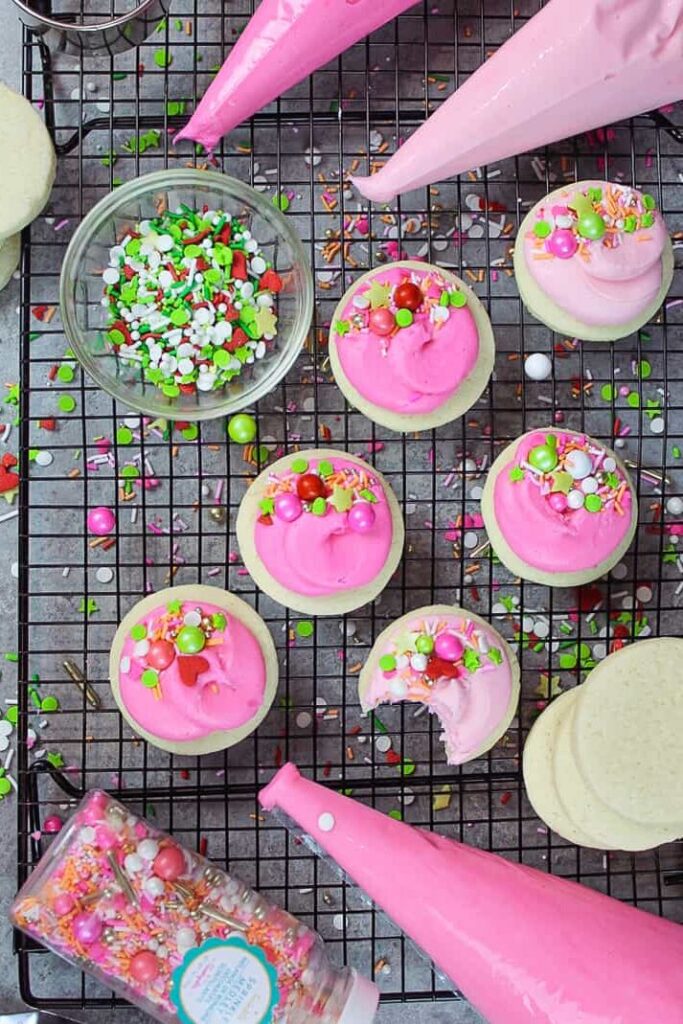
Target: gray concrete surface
10, 64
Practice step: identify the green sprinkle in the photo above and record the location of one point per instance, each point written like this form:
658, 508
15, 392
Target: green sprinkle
304, 629
495, 655
218, 621
299, 465
11, 656
542, 229
124, 436
55, 759
49, 704
396, 815
633, 399
138, 631
647, 220
130, 472
267, 506
593, 502
342, 327
644, 369
608, 392
649, 201
150, 678
162, 58
404, 317
12, 714
281, 201
378, 723
325, 468
444, 299
458, 299
471, 660
676, 452
368, 495
66, 403
568, 661
318, 507
516, 474
180, 317
119, 76
407, 766
630, 224
387, 663
190, 432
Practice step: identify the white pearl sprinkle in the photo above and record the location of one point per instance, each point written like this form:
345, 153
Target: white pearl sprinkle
674, 506
326, 822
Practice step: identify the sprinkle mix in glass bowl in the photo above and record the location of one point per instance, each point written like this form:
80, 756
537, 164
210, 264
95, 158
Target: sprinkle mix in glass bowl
186, 294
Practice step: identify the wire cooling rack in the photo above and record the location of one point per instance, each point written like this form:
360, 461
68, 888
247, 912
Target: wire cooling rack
114, 119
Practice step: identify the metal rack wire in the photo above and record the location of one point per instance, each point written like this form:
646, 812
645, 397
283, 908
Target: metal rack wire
304, 146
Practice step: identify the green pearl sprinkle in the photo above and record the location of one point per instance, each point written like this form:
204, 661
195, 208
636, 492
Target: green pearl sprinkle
149, 678
404, 317
299, 465
387, 663
542, 229
458, 299
138, 631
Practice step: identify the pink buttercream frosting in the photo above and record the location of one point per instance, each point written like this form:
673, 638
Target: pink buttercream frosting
318, 554
609, 280
466, 680
224, 683
419, 367
534, 510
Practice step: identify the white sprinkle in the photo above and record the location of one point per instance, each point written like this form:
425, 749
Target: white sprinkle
383, 743
538, 366
326, 822
105, 574
44, 458
470, 540
304, 719
124, 666
657, 425
674, 506
644, 594
110, 276
339, 922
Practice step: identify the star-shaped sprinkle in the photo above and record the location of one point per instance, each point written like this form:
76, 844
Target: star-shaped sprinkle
406, 641
12, 396
516, 474
494, 655
562, 482
378, 294
9, 496
341, 499
265, 320
342, 327
90, 607
267, 506
173, 607
471, 660
548, 686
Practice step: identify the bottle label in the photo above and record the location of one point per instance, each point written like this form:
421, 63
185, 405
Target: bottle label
225, 981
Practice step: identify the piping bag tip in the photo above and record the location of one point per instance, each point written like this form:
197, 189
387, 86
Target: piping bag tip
372, 188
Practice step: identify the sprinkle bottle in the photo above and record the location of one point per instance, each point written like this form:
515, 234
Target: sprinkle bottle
175, 935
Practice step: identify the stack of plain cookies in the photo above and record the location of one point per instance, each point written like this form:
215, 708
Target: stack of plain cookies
603, 764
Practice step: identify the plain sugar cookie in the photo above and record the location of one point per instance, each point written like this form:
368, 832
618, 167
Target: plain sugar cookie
609, 828
28, 164
539, 778
628, 731
10, 255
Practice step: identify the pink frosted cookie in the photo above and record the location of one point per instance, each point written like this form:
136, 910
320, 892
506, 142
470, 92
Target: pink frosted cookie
559, 508
594, 260
320, 531
457, 665
193, 669
411, 346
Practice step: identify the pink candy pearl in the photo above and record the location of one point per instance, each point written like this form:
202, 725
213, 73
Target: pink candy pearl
64, 904
105, 838
448, 647
562, 243
94, 811
101, 521
361, 517
624, 390
144, 966
140, 829
288, 507
557, 501
169, 863
87, 928
382, 321
52, 824
97, 953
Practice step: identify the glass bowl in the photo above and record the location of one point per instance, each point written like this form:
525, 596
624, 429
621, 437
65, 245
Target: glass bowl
82, 290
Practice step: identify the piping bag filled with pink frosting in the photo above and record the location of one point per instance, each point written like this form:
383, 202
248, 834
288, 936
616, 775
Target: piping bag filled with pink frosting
523, 946
576, 65
285, 41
